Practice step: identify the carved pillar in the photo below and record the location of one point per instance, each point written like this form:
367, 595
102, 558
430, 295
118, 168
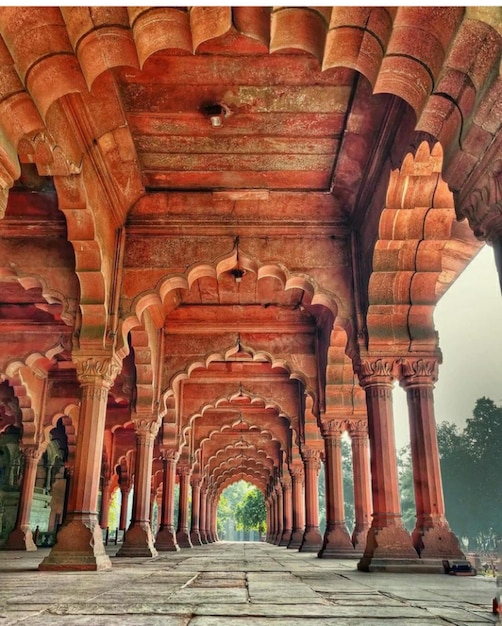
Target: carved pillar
287, 501
21, 537
279, 503
202, 513
182, 534
388, 544
138, 540
209, 516
337, 542
214, 517
298, 480
273, 515
105, 503
358, 431
432, 537
195, 537
312, 540
79, 541
166, 537
125, 490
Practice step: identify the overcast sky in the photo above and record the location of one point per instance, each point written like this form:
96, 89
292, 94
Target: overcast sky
469, 321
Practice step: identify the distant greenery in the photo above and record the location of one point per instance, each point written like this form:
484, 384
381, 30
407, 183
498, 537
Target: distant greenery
234, 512
250, 513
471, 469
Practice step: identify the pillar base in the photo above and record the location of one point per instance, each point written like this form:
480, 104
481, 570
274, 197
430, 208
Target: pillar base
183, 539
312, 540
277, 538
437, 542
20, 538
138, 541
195, 538
166, 540
286, 537
387, 549
337, 544
296, 539
79, 547
359, 538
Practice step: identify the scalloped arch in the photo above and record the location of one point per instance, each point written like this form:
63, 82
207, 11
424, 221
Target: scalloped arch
421, 249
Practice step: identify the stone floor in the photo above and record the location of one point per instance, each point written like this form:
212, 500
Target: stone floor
236, 584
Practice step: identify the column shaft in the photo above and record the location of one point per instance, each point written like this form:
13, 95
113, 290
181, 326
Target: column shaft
21, 537
138, 540
312, 540
432, 536
182, 534
298, 480
79, 543
166, 537
388, 544
362, 485
337, 542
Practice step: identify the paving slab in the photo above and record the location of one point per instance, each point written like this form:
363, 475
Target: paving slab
236, 584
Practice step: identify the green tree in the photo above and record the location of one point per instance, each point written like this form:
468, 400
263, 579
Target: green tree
251, 512
470, 467
227, 504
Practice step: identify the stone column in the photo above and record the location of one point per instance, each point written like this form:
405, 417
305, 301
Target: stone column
202, 514
432, 536
209, 516
312, 540
279, 513
166, 537
21, 537
388, 545
287, 500
337, 542
138, 540
182, 534
124, 505
358, 431
105, 503
195, 537
79, 543
298, 480
272, 498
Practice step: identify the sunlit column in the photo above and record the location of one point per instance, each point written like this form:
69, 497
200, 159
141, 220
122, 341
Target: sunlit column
279, 512
166, 537
138, 540
79, 543
298, 484
182, 534
337, 542
388, 541
358, 431
287, 501
195, 537
432, 536
21, 537
312, 539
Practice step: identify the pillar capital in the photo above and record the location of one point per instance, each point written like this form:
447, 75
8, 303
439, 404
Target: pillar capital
297, 473
32, 452
358, 428
97, 370
311, 456
170, 454
332, 428
377, 370
145, 424
286, 482
419, 371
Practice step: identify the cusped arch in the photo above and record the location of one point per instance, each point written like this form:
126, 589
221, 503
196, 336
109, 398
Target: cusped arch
50, 293
420, 251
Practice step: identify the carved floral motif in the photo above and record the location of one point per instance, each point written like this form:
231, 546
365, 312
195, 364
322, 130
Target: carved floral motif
99, 371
